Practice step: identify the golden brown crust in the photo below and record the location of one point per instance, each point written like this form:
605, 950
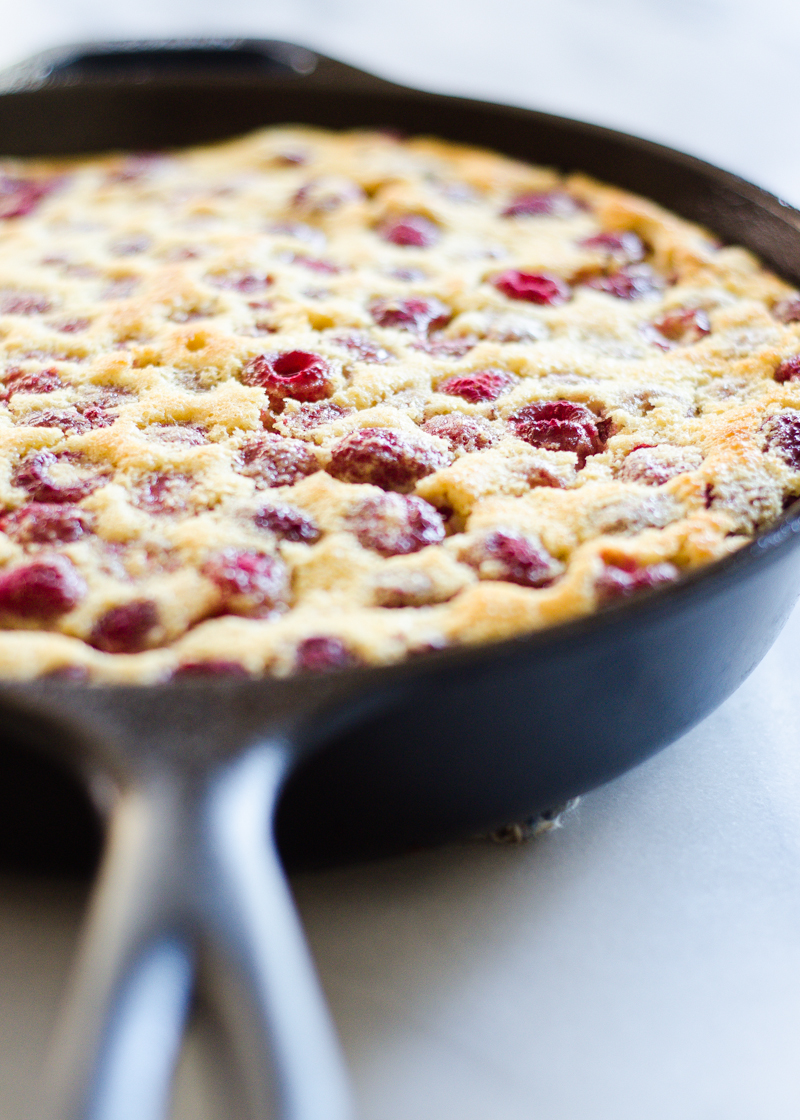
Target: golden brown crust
145, 300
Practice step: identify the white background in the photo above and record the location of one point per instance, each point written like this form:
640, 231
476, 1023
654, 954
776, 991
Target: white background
642, 963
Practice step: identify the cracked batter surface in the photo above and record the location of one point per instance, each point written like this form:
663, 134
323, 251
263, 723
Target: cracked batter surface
309, 399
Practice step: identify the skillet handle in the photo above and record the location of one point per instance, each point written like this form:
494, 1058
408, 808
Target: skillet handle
191, 884
206, 59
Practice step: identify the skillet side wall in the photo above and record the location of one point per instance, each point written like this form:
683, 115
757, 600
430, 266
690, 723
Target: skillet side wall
465, 750
458, 752
160, 114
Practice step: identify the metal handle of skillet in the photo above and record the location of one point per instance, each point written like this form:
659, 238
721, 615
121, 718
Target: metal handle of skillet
191, 885
191, 893
153, 60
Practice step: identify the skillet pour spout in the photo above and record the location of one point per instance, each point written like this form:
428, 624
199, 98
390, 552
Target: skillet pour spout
191, 890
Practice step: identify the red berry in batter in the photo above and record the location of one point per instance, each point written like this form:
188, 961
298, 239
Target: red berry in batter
623, 577
630, 282
240, 280
274, 460
416, 314
554, 204
318, 654
191, 669
680, 327
412, 229
624, 247
395, 524
788, 370
288, 523
46, 523
126, 628
35, 474
788, 310
508, 555
533, 287
783, 436
19, 197
386, 458
482, 385
42, 589
560, 426
364, 348
31, 381
296, 374
465, 433
251, 583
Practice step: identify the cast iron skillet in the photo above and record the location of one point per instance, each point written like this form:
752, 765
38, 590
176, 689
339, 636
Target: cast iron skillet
364, 761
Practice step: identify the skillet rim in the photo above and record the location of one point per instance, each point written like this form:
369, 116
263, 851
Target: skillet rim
767, 546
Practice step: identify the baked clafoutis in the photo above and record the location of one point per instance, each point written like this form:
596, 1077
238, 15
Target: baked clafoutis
307, 400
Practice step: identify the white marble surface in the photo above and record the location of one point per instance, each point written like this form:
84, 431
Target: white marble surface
643, 962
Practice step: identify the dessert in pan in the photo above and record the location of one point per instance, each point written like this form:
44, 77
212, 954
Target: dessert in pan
307, 400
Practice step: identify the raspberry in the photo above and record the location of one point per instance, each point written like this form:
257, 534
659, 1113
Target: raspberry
310, 416
630, 282
68, 419
415, 314
19, 197
34, 474
191, 669
465, 433
395, 524
482, 385
534, 287
783, 436
560, 426
251, 583
287, 523
41, 589
788, 370
164, 493
788, 310
23, 303
273, 460
510, 556
389, 459
623, 577
314, 264
72, 326
656, 465
316, 655
446, 347
364, 348
624, 247
407, 275
46, 523
240, 280
324, 195
681, 327
126, 628
412, 229
31, 381
552, 204
295, 374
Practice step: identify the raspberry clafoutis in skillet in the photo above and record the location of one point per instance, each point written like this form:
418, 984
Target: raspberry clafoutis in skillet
307, 400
